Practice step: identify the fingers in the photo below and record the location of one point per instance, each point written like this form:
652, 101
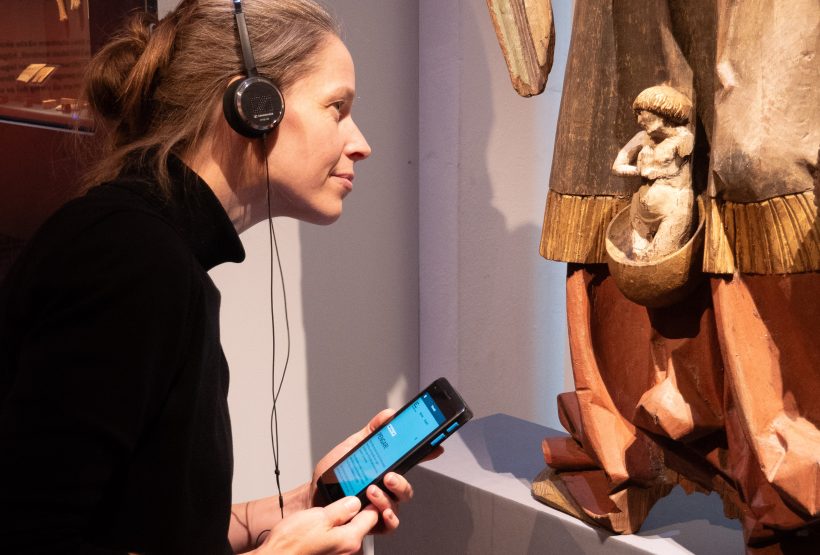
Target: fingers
399, 490
379, 499
338, 528
343, 510
348, 537
390, 521
398, 486
337, 452
434, 454
385, 505
363, 523
378, 420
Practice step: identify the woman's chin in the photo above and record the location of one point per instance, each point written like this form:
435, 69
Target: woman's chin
322, 217
318, 213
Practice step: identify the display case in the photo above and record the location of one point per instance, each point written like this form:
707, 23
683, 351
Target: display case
45, 46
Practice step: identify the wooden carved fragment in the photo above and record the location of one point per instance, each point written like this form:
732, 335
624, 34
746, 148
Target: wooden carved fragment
526, 34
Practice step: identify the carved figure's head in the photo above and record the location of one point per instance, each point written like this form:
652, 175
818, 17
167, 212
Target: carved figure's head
666, 102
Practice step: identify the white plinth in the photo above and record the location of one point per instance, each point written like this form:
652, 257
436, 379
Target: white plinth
475, 499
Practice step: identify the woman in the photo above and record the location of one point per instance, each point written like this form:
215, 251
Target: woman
113, 387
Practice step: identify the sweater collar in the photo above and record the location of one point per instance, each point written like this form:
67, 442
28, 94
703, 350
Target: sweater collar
195, 212
201, 219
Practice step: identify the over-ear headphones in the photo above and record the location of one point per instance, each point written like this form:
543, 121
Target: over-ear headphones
254, 105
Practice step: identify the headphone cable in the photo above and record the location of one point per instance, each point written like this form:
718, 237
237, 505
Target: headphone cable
273, 247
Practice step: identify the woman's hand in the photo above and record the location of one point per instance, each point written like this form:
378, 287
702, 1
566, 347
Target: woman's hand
338, 528
305, 519
398, 486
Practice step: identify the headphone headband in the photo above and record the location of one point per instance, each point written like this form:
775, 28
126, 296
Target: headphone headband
253, 105
244, 39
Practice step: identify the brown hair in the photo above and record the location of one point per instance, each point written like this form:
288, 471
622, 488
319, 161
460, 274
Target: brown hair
154, 86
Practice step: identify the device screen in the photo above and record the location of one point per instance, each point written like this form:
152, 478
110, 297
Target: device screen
404, 432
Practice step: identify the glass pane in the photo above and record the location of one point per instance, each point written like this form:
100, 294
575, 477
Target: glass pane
44, 48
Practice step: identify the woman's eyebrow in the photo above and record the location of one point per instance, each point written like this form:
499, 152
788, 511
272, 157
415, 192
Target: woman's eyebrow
343, 91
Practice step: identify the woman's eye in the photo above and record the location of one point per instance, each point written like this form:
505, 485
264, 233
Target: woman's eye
338, 106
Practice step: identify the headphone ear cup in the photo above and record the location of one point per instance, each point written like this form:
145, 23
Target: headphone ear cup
229, 108
232, 116
253, 106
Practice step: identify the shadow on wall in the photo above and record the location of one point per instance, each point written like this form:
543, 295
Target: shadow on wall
511, 301
508, 445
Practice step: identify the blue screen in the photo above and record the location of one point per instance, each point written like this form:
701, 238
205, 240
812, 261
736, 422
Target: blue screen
389, 445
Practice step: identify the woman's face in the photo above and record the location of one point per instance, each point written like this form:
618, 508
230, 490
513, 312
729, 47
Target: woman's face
317, 143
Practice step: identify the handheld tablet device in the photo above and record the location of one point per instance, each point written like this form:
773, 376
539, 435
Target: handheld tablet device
399, 444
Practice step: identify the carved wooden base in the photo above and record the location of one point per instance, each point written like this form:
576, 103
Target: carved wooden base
548, 489
622, 512
629, 507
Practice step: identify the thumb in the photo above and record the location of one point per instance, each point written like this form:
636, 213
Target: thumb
341, 511
377, 421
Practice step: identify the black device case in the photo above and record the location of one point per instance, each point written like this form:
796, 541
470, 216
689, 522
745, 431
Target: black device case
332, 492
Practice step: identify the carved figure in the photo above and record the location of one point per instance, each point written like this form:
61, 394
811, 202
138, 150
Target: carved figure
661, 211
720, 392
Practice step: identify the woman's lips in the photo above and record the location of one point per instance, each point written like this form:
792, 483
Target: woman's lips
346, 179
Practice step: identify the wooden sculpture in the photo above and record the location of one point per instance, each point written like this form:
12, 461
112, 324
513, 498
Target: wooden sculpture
721, 391
661, 211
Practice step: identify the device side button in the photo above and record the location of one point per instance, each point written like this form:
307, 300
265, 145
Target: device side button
452, 427
438, 440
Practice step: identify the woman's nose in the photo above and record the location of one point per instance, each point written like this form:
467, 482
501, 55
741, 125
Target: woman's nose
357, 147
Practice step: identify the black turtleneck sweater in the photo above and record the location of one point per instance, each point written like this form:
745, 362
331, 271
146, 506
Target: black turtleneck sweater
114, 426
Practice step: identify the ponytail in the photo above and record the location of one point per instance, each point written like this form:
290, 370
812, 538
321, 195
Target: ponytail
138, 89
118, 86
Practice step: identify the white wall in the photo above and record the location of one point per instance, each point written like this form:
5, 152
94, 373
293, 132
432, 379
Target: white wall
492, 310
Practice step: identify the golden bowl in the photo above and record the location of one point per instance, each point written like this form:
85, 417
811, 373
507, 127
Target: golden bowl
658, 282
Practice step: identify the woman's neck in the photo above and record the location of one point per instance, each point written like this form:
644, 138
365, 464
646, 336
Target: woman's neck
231, 173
